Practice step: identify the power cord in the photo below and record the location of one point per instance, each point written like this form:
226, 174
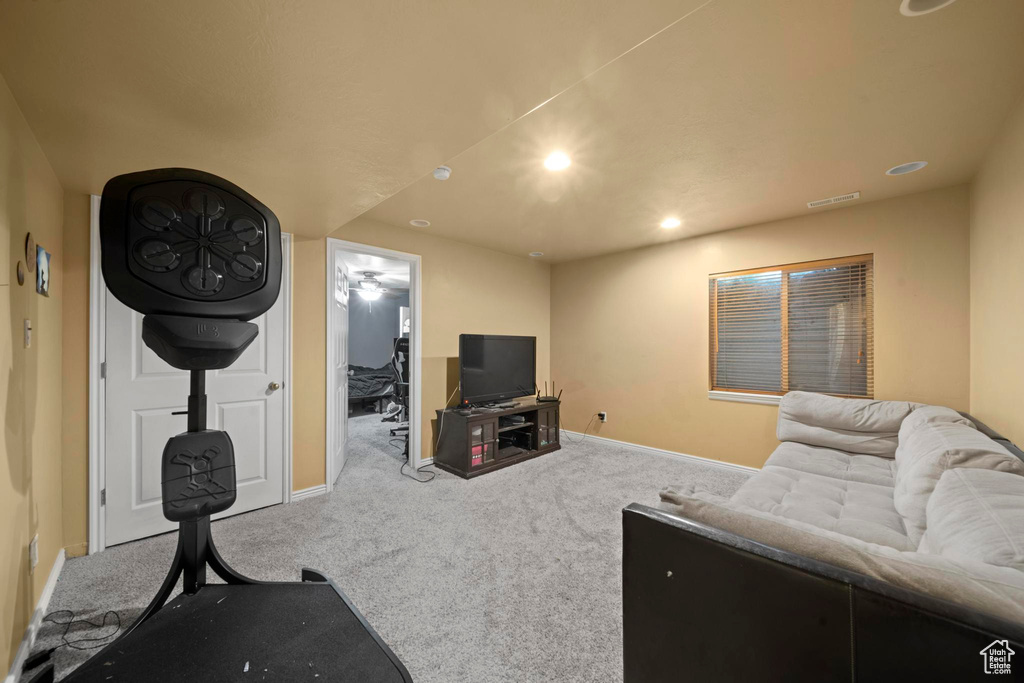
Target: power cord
401, 444
401, 470
567, 438
71, 621
43, 657
440, 427
440, 424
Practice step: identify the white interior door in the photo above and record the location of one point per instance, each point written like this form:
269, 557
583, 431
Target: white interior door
339, 338
142, 392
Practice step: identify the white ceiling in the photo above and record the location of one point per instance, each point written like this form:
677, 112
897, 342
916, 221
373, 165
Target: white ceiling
391, 273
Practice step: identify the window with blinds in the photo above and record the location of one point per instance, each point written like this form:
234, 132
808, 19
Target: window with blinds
803, 326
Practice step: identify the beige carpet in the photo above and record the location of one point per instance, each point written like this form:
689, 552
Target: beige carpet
513, 576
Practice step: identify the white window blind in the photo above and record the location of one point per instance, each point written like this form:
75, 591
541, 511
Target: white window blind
803, 326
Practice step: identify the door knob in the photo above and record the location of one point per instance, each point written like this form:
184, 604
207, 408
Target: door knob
273, 386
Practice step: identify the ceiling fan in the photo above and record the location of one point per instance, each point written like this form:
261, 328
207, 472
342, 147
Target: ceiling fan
370, 288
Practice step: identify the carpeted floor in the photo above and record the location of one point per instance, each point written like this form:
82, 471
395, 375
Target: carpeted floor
513, 576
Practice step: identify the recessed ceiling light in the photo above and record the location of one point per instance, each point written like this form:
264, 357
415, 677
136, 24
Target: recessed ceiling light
442, 173
669, 223
535, 254
419, 223
903, 169
557, 161
914, 8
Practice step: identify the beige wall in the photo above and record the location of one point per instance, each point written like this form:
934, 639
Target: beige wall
30, 379
309, 362
997, 283
630, 330
465, 289
75, 370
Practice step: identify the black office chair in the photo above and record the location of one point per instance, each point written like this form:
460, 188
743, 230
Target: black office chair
200, 257
400, 362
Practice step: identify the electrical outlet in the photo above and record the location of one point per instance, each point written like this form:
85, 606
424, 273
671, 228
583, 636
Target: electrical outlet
33, 553
602, 416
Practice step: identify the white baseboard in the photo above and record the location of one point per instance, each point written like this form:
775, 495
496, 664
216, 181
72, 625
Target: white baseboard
673, 454
425, 462
14, 675
312, 491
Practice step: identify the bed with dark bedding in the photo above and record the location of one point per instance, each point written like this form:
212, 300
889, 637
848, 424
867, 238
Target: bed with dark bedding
370, 384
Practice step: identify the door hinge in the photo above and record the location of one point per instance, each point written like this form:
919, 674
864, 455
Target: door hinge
103, 370
103, 497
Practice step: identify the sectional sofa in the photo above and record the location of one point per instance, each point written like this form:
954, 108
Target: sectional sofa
881, 540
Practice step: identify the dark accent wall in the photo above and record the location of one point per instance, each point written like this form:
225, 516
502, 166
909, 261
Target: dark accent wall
373, 327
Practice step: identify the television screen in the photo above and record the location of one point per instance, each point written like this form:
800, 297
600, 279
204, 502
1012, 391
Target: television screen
496, 368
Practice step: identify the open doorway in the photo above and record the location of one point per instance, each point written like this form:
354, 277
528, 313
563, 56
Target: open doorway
373, 356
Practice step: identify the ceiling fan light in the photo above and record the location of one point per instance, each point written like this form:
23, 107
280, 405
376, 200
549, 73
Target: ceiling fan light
370, 281
369, 295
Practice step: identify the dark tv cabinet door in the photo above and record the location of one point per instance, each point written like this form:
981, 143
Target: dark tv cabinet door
483, 443
547, 426
472, 445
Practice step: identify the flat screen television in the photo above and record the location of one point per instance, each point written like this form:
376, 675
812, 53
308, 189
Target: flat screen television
496, 367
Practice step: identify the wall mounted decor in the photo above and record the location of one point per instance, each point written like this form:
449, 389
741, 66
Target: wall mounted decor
21, 273
42, 271
30, 252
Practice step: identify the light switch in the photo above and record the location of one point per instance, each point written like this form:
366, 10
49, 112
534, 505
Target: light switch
28, 334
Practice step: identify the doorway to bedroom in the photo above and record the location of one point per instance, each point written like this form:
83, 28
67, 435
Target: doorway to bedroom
373, 350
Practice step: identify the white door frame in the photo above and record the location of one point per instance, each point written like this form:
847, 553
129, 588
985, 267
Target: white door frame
97, 385
416, 368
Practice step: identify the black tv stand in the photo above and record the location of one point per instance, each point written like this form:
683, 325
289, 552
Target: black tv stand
482, 442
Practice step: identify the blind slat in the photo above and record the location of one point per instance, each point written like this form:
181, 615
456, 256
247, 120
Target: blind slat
823, 310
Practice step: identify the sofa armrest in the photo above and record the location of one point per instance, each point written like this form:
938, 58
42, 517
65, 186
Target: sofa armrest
701, 603
994, 435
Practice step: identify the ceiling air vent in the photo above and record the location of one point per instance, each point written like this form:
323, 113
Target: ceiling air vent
834, 200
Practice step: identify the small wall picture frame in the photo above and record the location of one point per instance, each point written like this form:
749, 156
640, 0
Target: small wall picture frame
42, 271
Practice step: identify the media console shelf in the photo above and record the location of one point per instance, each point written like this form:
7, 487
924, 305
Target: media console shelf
487, 440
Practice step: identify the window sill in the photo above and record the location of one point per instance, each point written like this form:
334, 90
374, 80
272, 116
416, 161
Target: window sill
738, 397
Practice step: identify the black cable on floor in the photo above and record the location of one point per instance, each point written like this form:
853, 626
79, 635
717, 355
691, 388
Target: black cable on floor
560, 429
401, 470
71, 621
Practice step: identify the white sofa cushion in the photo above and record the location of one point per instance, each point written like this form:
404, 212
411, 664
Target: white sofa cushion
926, 415
851, 508
931, 449
995, 590
847, 424
868, 469
977, 514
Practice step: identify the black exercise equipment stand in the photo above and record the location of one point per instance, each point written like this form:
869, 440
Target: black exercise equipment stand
200, 257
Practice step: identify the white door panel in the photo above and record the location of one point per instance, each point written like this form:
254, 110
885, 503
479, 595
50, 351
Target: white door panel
341, 363
142, 392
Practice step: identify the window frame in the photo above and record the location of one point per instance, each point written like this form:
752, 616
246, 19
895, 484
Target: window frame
773, 397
